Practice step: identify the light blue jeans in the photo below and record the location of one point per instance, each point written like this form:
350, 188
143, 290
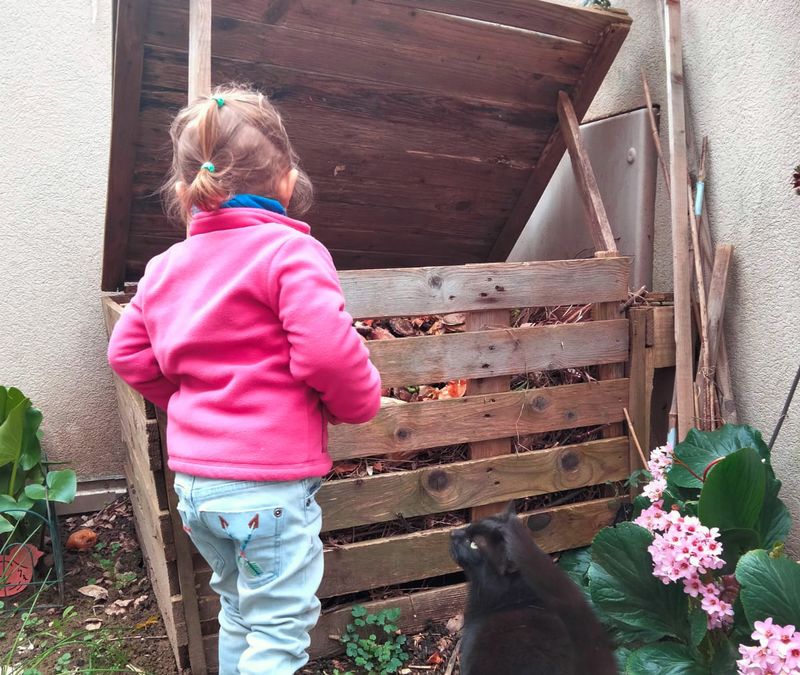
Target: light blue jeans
262, 542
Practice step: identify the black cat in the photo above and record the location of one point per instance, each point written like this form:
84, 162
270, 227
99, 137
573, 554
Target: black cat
524, 616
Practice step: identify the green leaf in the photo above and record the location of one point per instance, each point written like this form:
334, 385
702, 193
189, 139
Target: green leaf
5, 526
735, 543
769, 587
724, 659
35, 492
31, 453
622, 584
11, 430
775, 521
698, 625
63, 485
13, 508
701, 448
664, 658
733, 493
359, 611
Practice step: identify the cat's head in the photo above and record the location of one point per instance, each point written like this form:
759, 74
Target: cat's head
482, 546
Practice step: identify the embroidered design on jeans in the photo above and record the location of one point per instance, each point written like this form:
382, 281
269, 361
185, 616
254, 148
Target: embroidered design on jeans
253, 568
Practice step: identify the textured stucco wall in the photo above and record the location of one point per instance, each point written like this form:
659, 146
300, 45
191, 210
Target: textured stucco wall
55, 79
742, 69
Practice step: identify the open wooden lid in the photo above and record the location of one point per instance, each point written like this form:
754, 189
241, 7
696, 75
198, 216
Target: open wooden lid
428, 127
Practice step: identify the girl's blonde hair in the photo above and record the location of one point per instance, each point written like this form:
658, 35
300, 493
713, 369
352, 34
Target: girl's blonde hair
232, 142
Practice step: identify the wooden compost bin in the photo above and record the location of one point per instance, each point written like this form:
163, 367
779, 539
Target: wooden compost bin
430, 129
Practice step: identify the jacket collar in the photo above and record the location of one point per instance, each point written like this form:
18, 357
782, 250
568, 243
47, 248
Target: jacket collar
231, 219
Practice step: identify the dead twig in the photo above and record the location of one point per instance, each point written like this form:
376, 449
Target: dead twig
451, 664
651, 116
635, 438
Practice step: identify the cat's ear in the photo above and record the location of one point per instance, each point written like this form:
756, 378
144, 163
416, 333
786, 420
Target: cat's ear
510, 511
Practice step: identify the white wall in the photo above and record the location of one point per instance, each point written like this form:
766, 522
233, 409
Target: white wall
55, 83
742, 69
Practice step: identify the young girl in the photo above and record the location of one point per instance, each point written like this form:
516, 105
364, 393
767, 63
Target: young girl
240, 334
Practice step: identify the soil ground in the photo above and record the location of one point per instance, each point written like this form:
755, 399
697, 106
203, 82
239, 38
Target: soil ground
123, 632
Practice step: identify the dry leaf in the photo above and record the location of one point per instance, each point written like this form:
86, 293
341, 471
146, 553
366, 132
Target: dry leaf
118, 607
140, 600
93, 624
435, 659
94, 591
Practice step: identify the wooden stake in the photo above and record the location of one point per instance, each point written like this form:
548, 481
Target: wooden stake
199, 48
593, 207
680, 221
703, 378
634, 438
651, 116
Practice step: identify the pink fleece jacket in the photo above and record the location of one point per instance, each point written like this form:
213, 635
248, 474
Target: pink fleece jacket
240, 333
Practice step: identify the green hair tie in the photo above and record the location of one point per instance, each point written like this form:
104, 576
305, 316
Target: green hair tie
208, 166
220, 101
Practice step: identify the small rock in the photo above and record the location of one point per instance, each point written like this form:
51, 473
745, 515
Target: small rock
455, 624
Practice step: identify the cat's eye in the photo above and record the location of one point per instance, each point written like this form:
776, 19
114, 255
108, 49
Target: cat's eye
472, 544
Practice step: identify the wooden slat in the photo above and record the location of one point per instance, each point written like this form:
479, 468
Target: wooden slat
448, 487
384, 562
492, 353
431, 424
663, 337
162, 573
183, 564
641, 372
603, 55
680, 219
199, 48
717, 295
487, 387
572, 23
338, 36
128, 58
438, 290
593, 208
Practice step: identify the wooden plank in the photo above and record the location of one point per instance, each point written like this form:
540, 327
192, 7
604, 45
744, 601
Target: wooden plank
183, 564
572, 23
162, 573
384, 562
602, 57
419, 291
128, 59
361, 41
487, 387
641, 373
199, 49
447, 487
593, 208
716, 300
493, 353
680, 221
663, 337
432, 424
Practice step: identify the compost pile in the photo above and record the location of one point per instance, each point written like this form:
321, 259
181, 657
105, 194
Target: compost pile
403, 327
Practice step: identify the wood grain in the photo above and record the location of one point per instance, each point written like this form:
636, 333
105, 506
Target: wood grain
493, 353
593, 208
680, 219
394, 560
127, 77
582, 94
487, 386
199, 49
458, 485
439, 290
663, 337
641, 373
431, 424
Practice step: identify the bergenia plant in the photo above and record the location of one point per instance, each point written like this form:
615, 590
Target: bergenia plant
696, 582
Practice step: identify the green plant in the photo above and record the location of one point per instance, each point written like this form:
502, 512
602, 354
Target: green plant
26, 484
669, 608
374, 641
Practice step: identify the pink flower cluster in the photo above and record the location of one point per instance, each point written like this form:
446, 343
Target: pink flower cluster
660, 461
777, 651
683, 550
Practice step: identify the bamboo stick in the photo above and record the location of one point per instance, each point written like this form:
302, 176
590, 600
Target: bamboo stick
651, 116
199, 48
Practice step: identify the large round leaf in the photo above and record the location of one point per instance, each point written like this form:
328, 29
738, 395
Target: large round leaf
776, 520
61, 487
665, 658
733, 494
701, 448
12, 428
770, 587
622, 585
31, 453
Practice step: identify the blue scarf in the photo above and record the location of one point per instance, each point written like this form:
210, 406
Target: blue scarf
254, 202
